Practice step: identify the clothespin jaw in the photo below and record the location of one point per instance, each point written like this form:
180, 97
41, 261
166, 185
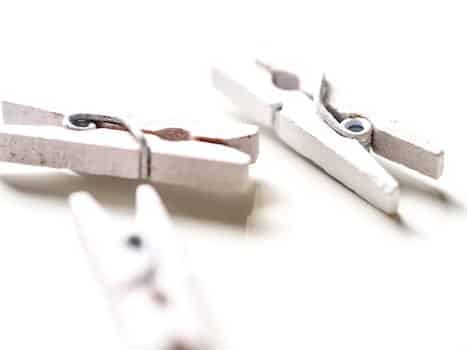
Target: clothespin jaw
202, 156
300, 114
151, 291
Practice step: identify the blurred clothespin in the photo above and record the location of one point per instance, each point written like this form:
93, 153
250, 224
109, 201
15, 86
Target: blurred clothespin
153, 295
302, 116
202, 156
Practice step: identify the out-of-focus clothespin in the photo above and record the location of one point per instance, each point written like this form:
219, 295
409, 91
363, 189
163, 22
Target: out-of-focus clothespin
153, 295
207, 156
302, 116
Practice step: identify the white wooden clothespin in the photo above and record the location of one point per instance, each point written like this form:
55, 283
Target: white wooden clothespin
206, 156
153, 296
303, 118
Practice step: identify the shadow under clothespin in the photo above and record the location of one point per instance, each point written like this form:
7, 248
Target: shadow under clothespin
231, 208
423, 188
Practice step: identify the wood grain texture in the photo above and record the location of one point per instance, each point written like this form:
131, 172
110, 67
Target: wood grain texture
244, 137
106, 152
36, 137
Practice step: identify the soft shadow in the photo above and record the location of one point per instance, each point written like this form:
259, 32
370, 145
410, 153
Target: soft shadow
401, 224
421, 186
228, 208
231, 208
58, 185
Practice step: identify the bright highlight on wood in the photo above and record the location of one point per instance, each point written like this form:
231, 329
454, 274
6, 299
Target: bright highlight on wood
301, 116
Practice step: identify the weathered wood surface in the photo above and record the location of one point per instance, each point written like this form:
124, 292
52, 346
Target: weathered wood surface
36, 137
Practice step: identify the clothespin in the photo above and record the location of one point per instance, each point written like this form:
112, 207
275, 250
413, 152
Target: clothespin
152, 294
205, 156
302, 116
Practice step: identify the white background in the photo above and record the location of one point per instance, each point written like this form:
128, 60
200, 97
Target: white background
297, 262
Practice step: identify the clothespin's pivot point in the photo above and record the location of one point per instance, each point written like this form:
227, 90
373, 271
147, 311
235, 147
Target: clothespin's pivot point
86, 121
357, 125
134, 241
78, 122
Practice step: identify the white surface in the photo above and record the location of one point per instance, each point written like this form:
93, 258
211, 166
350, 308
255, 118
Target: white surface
299, 262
